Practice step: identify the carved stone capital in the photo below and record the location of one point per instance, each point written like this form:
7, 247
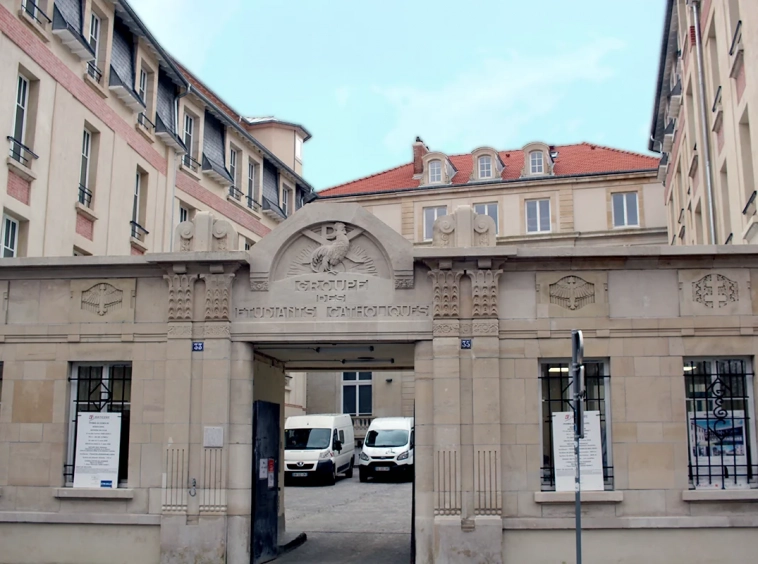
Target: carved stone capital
485, 328
180, 330
181, 288
467, 329
446, 328
218, 287
221, 330
446, 288
484, 290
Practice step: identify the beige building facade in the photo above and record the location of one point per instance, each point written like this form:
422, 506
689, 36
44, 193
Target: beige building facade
111, 143
704, 121
481, 332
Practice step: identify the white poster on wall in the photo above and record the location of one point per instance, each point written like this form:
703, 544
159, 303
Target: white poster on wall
590, 451
98, 439
718, 449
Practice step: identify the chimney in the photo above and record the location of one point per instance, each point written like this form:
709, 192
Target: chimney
419, 150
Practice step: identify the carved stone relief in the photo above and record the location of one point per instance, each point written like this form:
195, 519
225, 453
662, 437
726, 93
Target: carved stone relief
102, 298
715, 291
484, 288
572, 292
446, 328
217, 295
217, 330
464, 228
179, 330
709, 292
446, 292
110, 300
485, 328
205, 233
180, 295
332, 251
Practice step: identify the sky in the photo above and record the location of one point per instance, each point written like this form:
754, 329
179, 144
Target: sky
366, 78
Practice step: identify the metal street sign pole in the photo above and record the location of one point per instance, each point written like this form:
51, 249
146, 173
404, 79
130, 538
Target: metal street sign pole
577, 374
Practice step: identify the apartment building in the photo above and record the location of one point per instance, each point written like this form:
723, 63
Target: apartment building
541, 194
706, 102
112, 143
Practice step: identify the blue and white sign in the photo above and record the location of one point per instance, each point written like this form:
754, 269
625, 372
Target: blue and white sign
465, 343
198, 346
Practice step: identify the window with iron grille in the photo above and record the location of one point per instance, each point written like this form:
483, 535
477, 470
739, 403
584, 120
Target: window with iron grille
557, 396
720, 423
100, 388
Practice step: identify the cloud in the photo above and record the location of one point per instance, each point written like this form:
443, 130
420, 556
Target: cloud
491, 102
186, 28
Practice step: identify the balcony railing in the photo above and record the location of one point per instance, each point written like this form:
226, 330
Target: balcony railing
20, 152
85, 196
145, 122
253, 204
235, 193
138, 232
717, 101
95, 73
736, 39
36, 13
191, 163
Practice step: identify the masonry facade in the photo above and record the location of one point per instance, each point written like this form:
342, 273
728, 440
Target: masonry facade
670, 345
112, 143
704, 121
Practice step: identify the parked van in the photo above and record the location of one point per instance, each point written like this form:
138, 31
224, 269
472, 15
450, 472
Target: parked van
388, 448
318, 447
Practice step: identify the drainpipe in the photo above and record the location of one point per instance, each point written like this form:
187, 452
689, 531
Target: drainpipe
703, 117
176, 164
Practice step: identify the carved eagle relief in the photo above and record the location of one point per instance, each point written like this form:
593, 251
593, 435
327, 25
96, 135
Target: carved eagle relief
102, 298
336, 254
572, 292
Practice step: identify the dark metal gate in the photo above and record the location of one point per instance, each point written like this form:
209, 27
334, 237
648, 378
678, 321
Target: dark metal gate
265, 481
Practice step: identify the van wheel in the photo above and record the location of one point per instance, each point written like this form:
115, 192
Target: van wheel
331, 479
349, 471
362, 475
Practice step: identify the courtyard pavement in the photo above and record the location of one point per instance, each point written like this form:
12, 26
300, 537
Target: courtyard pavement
350, 522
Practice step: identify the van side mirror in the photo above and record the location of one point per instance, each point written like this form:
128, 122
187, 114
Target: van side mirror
337, 445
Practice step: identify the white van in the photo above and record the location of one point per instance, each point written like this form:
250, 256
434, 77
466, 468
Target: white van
388, 448
318, 447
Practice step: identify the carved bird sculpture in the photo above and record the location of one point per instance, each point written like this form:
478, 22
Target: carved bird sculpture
328, 256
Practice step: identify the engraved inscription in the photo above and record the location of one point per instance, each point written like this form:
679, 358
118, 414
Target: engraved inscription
102, 298
572, 292
715, 291
328, 311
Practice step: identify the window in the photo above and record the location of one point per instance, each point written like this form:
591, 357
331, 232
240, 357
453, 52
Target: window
720, 428
100, 388
138, 206
233, 166
248, 244
183, 214
488, 209
431, 214
10, 237
625, 209
357, 393
189, 132
250, 182
557, 397
143, 85
485, 166
85, 194
536, 165
286, 198
19, 124
298, 147
538, 216
94, 32
435, 171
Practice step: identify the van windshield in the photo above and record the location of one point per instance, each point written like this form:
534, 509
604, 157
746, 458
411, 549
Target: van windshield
307, 439
386, 438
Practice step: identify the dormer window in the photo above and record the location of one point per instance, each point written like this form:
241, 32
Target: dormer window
485, 166
536, 162
435, 171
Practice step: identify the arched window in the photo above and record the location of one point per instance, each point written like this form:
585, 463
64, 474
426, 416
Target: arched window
485, 166
536, 165
435, 171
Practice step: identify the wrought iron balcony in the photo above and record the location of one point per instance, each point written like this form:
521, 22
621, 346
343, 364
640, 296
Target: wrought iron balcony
35, 12
95, 73
717, 101
138, 232
272, 210
20, 152
736, 40
235, 193
145, 122
190, 163
253, 204
85, 196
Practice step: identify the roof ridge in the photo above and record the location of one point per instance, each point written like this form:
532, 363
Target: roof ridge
364, 177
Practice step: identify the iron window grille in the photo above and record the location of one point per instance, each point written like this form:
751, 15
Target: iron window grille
253, 204
103, 388
138, 232
20, 152
191, 163
235, 193
94, 72
35, 12
720, 413
145, 122
557, 396
85, 196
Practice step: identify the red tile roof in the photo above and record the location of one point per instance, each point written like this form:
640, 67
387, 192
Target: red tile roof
572, 160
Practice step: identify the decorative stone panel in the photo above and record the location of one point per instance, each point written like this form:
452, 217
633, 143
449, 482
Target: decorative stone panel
715, 292
572, 294
205, 233
484, 289
218, 287
446, 292
105, 300
181, 288
464, 228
